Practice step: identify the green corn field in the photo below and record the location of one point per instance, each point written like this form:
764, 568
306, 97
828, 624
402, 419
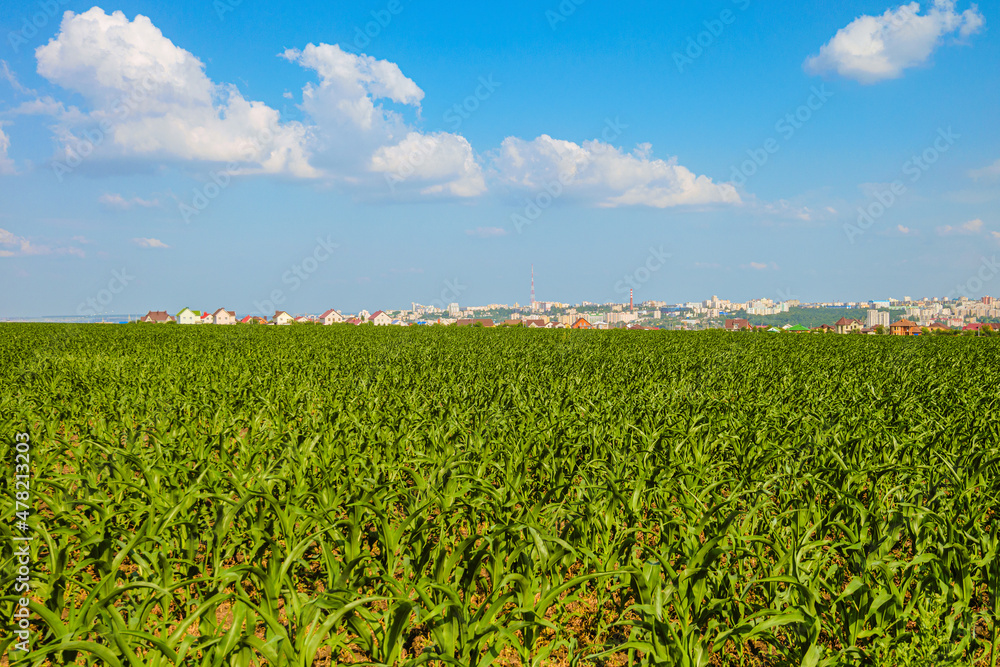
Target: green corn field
469, 497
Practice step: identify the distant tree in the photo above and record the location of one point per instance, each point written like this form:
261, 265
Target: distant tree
880, 330
987, 330
924, 331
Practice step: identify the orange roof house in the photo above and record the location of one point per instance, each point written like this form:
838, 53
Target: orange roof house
904, 327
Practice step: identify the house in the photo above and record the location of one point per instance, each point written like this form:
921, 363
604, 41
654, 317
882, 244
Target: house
904, 328
936, 327
582, 323
206, 318
823, 328
157, 317
253, 319
354, 320
380, 319
475, 322
737, 324
188, 316
303, 319
798, 328
223, 316
281, 318
847, 326
331, 317
535, 323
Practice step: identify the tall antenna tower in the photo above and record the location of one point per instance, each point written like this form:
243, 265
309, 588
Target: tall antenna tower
532, 287
631, 304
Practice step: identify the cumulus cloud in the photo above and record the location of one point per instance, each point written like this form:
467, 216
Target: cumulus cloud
992, 171
970, 227
442, 162
601, 172
150, 243
355, 134
486, 232
152, 99
116, 201
146, 99
875, 48
6, 164
12, 245
905, 231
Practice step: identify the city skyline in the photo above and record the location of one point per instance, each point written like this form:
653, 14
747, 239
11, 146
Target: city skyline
384, 153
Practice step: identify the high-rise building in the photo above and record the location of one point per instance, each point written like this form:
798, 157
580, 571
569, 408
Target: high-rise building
877, 318
453, 310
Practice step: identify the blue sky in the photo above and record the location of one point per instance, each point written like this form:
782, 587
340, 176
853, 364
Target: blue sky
215, 154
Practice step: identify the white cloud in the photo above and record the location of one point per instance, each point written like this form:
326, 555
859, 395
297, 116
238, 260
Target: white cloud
150, 243
439, 162
486, 232
6, 164
7, 75
355, 135
146, 99
992, 171
116, 201
156, 102
875, 48
905, 231
760, 266
12, 245
600, 172
971, 227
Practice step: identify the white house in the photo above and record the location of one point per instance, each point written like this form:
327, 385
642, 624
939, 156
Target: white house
206, 318
223, 316
331, 317
282, 318
188, 316
380, 319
